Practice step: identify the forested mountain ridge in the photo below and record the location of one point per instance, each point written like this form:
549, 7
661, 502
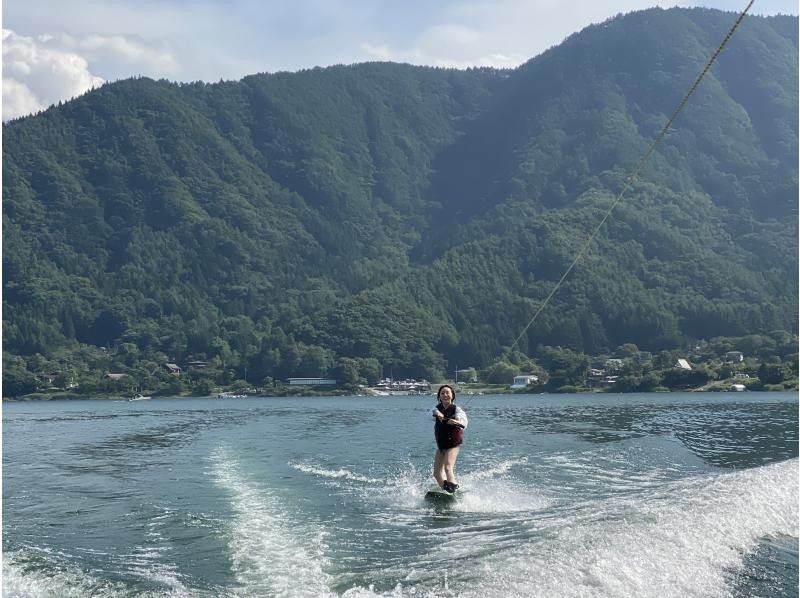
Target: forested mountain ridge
384, 216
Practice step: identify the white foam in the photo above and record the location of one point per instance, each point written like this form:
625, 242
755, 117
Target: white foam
27, 578
498, 469
44, 576
340, 473
271, 554
501, 495
680, 541
488, 490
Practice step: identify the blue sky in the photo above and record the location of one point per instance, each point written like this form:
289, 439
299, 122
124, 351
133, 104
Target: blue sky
54, 50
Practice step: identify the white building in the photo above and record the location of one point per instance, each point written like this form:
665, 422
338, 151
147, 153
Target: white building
524, 381
734, 357
311, 382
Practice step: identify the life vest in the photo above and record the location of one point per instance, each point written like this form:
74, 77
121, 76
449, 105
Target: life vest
447, 436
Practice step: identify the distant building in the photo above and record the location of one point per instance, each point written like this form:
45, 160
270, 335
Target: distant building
598, 377
734, 357
172, 368
682, 364
389, 386
112, 376
311, 382
196, 364
524, 381
48, 378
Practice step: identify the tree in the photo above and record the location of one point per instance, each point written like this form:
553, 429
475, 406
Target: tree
174, 386
17, 380
678, 379
626, 351
369, 369
500, 372
773, 373
346, 371
565, 367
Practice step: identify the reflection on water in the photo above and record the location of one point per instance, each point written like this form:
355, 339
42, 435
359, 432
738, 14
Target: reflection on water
768, 571
723, 434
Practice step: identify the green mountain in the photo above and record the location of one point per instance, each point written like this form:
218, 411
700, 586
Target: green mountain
353, 219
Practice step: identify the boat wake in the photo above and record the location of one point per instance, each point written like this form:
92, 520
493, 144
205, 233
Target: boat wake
687, 537
272, 552
489, 490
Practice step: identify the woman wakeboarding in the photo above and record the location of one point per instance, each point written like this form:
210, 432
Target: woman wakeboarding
451, 421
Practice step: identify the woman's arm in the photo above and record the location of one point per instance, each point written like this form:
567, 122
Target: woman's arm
460, 417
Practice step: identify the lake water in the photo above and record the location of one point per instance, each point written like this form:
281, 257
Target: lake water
566, 495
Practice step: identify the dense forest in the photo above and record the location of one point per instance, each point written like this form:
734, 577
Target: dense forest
385, 219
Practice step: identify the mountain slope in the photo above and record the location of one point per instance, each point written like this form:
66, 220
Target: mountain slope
413, 217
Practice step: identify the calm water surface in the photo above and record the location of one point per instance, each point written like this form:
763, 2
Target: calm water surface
582, 495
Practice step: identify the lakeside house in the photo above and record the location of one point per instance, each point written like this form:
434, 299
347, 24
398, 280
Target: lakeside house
48, 378
524, 381
599, 377
734, 357
682, 364
311, 381
114, 376
172, 368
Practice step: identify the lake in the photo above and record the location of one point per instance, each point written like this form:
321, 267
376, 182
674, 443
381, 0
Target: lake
674, 494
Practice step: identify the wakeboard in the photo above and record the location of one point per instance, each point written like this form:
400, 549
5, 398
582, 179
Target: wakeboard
441, 497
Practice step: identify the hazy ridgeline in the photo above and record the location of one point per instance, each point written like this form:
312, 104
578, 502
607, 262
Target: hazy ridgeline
353, 219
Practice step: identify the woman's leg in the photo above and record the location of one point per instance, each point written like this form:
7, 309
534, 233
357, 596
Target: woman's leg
439, 467
450, 457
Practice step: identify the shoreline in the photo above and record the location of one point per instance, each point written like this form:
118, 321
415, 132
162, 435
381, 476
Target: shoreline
366, 392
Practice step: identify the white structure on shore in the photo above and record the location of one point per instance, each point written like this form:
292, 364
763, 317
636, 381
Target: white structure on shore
388, 386
311, 382
524, 381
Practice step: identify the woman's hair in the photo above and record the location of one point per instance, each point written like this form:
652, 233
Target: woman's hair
452, 391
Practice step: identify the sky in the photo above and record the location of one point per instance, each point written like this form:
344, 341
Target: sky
54, 50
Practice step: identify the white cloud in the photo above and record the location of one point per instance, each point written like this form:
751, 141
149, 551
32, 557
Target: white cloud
40, 71
18, 100
35, 76
507, 33
375, 52
117, 49
453, 45
500, 33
